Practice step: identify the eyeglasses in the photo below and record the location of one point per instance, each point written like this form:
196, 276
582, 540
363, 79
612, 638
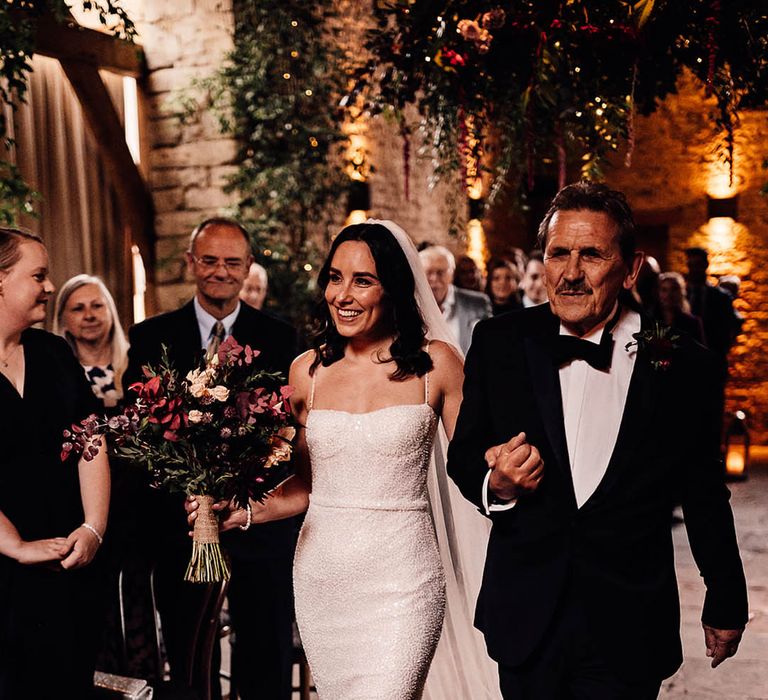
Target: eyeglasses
208, 262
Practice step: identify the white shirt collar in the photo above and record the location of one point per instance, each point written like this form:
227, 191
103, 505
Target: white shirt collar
206, 322
449, 302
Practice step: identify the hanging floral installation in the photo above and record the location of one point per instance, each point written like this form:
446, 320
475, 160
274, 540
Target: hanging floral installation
545, 85
278, 93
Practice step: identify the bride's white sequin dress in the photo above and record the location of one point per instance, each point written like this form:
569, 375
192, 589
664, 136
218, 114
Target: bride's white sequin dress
368, 580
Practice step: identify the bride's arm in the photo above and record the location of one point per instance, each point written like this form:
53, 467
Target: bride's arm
447, 378
292, 496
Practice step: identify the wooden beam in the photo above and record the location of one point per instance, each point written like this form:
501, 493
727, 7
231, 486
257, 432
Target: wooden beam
102, 118
69, 41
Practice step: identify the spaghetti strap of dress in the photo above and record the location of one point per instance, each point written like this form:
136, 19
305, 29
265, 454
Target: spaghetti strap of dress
426, 377
312, 389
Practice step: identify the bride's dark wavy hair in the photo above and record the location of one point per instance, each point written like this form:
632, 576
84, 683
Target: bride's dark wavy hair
396, 278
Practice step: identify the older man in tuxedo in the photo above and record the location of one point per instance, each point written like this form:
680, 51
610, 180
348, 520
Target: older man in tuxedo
578, 433
260, 600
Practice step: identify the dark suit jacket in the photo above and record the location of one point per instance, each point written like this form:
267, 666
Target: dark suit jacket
617, 548
179, 331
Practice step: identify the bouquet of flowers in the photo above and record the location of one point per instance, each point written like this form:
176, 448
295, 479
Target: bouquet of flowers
222, 432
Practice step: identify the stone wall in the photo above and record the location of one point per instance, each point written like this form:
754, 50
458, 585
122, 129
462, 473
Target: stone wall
674, 167
187, 163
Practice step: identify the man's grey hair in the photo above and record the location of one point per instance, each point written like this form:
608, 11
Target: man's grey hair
439, 251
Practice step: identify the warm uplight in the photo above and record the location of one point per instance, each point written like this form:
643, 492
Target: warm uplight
356, 216
131, 108
734, 460
737, 447
721, 234
476, 244
358, 167
719, 184
139, 285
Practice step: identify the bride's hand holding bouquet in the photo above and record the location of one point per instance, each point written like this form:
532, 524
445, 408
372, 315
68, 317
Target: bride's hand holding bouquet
220, 434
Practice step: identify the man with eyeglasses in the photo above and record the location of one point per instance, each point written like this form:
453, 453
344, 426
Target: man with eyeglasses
260, 599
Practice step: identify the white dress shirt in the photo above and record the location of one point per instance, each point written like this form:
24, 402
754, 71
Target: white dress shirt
206, 322
593, 406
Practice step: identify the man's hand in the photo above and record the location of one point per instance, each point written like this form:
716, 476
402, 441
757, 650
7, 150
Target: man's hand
721, 644
82, 546
517, 468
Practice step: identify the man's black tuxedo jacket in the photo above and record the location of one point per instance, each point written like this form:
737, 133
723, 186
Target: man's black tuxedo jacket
179, 332
616, 550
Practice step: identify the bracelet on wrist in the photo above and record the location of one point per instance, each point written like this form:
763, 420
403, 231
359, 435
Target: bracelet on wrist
248, 515
94, 532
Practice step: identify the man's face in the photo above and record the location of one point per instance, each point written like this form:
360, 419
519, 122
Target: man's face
254, 291
439, 275
584, 269
219, 263
697, 269
533, 282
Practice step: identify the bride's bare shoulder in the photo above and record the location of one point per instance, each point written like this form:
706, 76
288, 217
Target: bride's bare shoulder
444, 354
299, 373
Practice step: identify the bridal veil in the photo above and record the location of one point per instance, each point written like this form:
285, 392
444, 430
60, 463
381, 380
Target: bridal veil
461, 669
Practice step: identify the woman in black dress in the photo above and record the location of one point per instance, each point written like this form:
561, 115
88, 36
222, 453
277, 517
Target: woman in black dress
52, 513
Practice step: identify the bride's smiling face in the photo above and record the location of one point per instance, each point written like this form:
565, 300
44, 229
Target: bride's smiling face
355, 295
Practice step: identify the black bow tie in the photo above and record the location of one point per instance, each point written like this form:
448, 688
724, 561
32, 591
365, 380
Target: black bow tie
569, 347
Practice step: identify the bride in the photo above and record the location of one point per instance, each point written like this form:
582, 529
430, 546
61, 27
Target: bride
389, 557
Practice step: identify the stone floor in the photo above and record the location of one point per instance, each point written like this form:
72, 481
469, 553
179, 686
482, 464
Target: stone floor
745, 676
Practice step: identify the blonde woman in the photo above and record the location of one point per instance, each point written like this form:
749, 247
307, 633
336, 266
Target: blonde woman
86, 316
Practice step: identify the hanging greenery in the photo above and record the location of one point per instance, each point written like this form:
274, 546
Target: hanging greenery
278, 93
18, 25
525, 85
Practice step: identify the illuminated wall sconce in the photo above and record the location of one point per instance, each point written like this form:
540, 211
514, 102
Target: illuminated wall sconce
477, 247
737, 448
723, 207
359, 202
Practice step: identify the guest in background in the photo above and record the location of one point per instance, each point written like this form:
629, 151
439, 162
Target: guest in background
534, 289
53, 514
86, 316
255, 286
468, 274
502, 286
461, 308
260, 592
674, 309
731, 284
518, 258
646, 289
715, 309
712, 305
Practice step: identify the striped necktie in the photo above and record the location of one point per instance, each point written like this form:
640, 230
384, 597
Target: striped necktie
215, 338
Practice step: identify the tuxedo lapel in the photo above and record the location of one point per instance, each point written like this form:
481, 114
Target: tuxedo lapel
546, 389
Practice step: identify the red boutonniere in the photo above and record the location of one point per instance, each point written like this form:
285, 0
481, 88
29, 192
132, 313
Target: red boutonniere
659, 342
